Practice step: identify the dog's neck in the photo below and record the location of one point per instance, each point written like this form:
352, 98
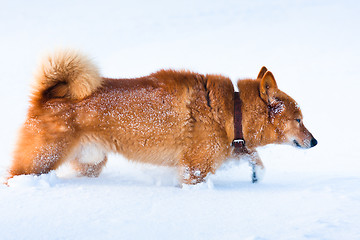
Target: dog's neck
257, 130
238, 142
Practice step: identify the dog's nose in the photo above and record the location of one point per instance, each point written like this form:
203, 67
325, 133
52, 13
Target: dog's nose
313, 142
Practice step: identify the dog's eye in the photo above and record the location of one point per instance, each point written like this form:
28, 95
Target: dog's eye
298, 120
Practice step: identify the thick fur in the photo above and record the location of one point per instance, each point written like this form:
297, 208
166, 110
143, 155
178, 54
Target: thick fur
66, 74
173, 118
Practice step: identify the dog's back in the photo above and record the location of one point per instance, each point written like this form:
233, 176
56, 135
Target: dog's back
165, 118
145, 119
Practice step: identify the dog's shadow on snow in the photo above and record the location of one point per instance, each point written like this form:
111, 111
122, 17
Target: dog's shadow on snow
52, 180
148, 176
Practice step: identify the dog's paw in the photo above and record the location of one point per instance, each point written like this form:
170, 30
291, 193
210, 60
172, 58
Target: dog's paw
258, 173
208, 184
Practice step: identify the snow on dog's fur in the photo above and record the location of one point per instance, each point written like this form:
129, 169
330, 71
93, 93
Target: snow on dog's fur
173, 118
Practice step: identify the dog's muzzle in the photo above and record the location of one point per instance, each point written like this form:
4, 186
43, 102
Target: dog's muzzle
310, 144
313, 142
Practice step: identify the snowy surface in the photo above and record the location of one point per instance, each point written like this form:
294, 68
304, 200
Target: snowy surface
312, 47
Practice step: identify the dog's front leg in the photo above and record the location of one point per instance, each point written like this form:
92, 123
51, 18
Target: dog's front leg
257, 166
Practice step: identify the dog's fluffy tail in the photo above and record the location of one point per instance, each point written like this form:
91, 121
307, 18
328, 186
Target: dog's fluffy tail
66, 74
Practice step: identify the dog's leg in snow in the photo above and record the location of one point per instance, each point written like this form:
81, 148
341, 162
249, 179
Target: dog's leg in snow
192, 173
200, 160
88, 169
89, 160
258, 169
37, 152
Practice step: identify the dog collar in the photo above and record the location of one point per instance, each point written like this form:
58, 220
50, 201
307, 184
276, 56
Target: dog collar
238, 143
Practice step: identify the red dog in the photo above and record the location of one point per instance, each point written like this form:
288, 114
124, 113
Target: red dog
173, 118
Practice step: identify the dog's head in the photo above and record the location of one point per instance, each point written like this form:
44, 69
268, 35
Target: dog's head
284, 114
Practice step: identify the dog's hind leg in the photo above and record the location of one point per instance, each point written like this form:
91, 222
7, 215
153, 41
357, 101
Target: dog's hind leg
88, 169
89, 160
38, 152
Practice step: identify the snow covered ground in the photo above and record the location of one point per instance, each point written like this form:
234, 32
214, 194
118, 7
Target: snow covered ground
312, 47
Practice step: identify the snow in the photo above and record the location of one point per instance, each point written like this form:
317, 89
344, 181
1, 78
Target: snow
312, 47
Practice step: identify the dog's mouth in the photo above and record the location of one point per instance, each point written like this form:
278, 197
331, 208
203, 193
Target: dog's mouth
297, 144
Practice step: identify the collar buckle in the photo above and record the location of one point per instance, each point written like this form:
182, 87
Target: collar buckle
238, 143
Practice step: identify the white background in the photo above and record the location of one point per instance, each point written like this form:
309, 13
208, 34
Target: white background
312, 47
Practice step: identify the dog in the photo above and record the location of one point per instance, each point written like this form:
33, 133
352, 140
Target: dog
173, 118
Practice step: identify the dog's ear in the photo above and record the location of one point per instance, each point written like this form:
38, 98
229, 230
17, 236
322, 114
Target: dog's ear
267, 82
262, 72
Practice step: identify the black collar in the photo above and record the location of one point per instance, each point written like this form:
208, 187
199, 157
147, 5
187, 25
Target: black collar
238, 143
